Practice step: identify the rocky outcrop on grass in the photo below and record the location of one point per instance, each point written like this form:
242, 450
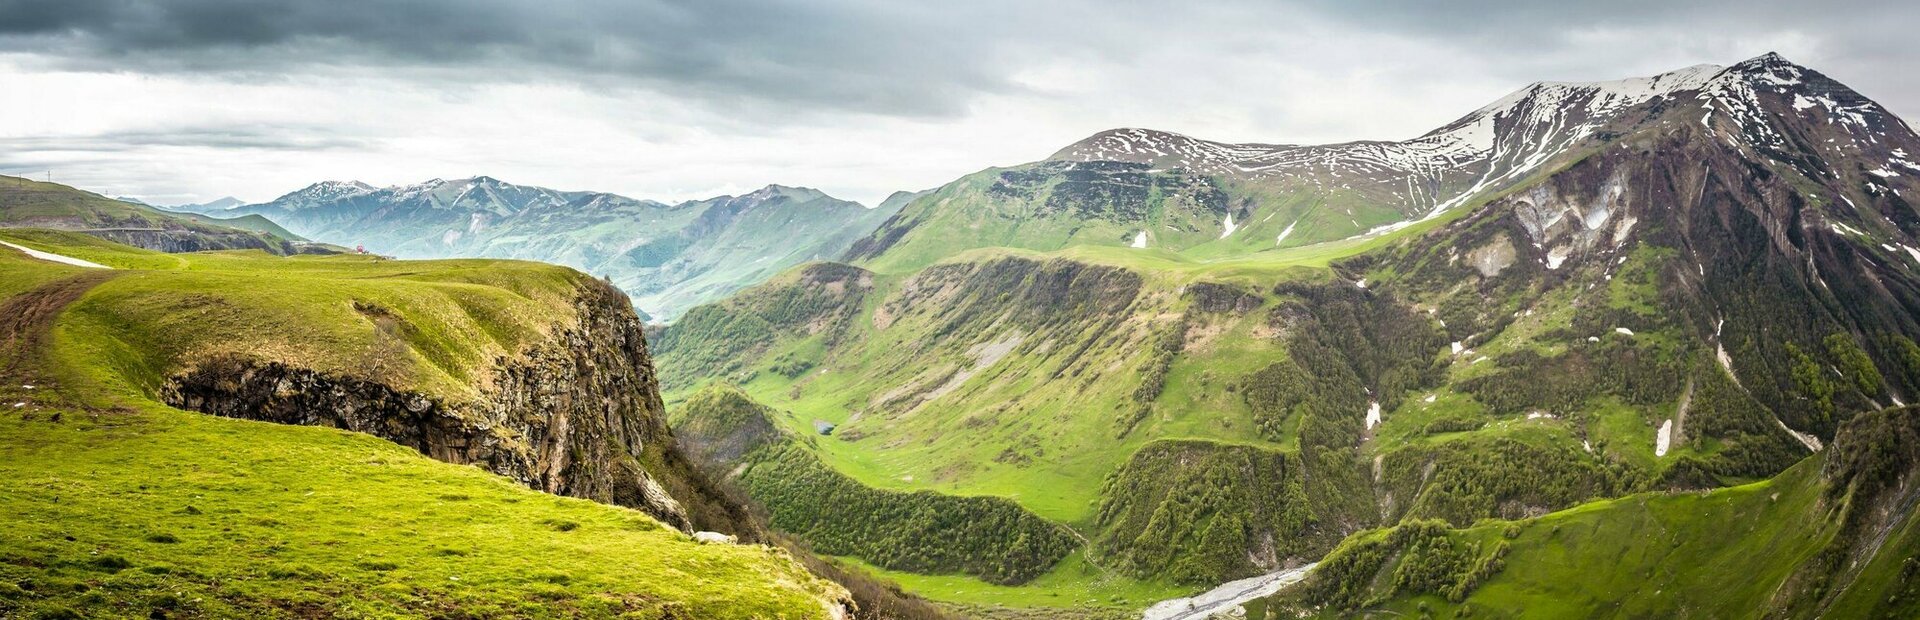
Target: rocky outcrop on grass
578, 415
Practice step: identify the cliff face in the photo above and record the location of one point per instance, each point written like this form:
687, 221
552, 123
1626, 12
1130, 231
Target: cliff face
578, 415
176, 241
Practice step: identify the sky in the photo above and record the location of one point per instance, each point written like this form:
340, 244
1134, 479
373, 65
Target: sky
183, 101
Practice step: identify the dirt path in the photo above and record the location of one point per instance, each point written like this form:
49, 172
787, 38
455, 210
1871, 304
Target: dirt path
26, 324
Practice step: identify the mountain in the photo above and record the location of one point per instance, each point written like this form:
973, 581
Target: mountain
391, 438
1153, 189
31, 204
1834, 536
668, 257
214, 207
1212, 361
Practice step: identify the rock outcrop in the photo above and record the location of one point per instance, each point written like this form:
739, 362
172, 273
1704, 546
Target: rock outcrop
578, 415
177, 241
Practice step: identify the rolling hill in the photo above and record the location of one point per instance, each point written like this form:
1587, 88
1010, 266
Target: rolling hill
32, 204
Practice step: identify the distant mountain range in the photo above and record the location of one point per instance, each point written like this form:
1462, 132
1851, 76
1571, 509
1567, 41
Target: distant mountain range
669, 257
205, 208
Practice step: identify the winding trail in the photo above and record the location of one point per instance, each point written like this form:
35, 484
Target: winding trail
1226, 597
26, 321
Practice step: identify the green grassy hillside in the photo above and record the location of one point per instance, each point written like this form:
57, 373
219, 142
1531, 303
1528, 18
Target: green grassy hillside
127, 507
27, 203
1627, 318
1057, 204
987, 537
1834, 536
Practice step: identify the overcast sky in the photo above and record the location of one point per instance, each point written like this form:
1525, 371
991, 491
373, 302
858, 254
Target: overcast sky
189, 100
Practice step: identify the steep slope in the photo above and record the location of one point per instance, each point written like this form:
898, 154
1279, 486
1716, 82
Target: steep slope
536, 373
922, 532
1835, 536
32, 204
1679, 282
1153, 189
669, 257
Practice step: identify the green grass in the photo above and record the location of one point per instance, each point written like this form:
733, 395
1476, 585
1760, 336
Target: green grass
115, 513
1074, 424
28, 203
171, 310
1718, 554
118, 506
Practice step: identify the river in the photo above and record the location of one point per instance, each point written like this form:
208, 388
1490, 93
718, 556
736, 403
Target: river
1226, 597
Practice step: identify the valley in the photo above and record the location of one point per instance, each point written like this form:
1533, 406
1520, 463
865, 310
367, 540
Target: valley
1204, 409
1628, 348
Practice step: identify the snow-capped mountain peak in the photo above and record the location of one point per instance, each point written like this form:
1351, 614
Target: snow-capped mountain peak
1495, 144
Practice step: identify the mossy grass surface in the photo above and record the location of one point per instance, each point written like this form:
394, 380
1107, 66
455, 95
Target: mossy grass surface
122, 507
124, 512
169, 311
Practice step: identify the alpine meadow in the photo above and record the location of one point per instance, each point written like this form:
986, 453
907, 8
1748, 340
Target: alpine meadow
1614, 347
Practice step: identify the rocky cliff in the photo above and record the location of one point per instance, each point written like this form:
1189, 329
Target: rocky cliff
579, 414
175, 241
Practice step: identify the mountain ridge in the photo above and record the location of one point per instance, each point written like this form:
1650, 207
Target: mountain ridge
669, 257
1213, 199
1683, 282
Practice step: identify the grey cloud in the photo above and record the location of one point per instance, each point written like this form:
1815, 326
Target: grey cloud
869, 56
276, 137
881, 56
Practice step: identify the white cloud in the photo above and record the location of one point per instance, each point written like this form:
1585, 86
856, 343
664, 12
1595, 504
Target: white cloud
1049, 76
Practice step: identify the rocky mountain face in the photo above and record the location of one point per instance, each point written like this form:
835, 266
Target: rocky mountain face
1151, 189
1581, 291
579, 415
669, 257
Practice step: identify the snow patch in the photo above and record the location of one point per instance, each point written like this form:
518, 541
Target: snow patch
1558, 256
49, 256
1664, 440
1288, 231
1373, 414
1140, 240
1229, 227
1457, 347
1623, 331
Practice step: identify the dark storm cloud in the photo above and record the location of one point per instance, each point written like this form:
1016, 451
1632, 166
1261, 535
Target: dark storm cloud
879, 56
910, 58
